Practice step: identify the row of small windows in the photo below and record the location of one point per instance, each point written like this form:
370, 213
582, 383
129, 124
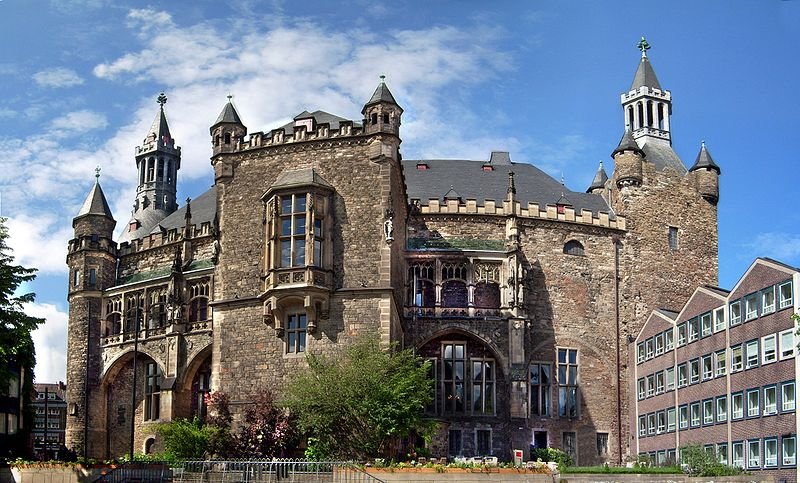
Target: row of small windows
748, 404
714, 321
743, 356
155, 313
773, 447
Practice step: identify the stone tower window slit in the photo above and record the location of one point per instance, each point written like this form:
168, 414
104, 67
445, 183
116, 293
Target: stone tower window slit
672, 237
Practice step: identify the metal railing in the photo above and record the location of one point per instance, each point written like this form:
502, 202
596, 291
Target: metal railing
137, 472
284, 471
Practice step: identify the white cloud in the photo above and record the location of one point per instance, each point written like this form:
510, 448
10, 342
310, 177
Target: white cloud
50, 340
59, 77
39, 242
784, 247
79, 121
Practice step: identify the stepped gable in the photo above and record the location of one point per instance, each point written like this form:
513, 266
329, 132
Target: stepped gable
204, 210
472, 180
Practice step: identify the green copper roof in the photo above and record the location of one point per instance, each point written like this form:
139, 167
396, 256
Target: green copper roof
455, 244
165, 271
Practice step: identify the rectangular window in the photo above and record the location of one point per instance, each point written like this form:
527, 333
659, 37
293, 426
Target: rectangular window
669, 375
650, 348
454, 365
753, 408
483, 384
483, 442
694, 371
737, 454
540, 389
768, 300
737, 405
708, 411
570, 444
672, 238
770, 453
719, 319
682, 334
659, 382
787, 396
722, 409
750, 306
642, 425
292, 234
602, 444
751, 354
769, 351
669, 338
737, 358
642, 385
754, 454
787, 344
770, 400
640, 355
659, 342
661, 421
651, 423
789, 450
708, 367
152, 392
720, 362
694, 414
785, 295
76, 278
92, 278
683, 416
735, 311
568, 383
705, 324
454, 446
683, 378
296, 333
722, 453
670, 420
694, 329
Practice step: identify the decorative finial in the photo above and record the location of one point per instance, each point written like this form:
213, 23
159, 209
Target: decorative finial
162, 99
230, 96
703, 144
643, 46
601, 164
383, 79
97, 174
562, 179
512, 188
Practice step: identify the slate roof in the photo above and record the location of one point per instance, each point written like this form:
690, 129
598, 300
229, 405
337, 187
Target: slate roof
381, 94
299, 177
704, 160
600, 178
204, 210
471, 181
645, 76
159, 131
669, 313
627, 143
228, 115
663, 156
95, 203
320, 117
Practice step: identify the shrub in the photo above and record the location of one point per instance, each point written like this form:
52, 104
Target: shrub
184, 439
699, 462
552, 454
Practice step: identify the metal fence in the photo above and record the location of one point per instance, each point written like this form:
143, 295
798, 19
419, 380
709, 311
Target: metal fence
137, 472
284, 471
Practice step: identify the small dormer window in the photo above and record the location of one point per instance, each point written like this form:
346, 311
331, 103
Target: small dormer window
488, 167
422, 166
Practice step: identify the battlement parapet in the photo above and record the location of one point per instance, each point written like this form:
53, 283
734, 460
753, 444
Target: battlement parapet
163, 238
646, 91
301, 133
531, 210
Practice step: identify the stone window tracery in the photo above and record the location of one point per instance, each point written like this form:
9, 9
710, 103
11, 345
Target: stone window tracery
134, 310
423, 284
113, 322
198, 302
465, 378
158, 309
454, 284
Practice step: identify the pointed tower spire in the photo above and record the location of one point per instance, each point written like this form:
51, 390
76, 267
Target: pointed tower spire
95, 202
704, 160
647, 106
228, 130
381, 112
158, 160
599, 181
706, 175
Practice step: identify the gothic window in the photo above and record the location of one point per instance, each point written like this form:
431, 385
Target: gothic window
152, 392
483, 386
454, 365
134, 308
113, 325
487, 285
160, 170
151, 167
422, 285
568, 383
158, 309
540, 389
454, 284
201, 388
198, 303
574, 247
296, 325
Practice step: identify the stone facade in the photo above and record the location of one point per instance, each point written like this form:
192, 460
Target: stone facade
318, 231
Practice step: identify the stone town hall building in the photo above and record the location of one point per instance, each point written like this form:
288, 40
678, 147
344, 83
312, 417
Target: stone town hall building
523, 293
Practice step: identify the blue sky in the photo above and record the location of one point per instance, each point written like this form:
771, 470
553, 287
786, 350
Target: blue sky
539, 79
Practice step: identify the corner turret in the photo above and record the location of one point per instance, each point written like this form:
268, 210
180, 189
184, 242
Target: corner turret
706, 173
598, 185
628, 158
228, 131
381, 112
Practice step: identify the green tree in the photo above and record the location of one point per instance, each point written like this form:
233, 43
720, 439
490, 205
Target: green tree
17, 352
184, 439
359, 402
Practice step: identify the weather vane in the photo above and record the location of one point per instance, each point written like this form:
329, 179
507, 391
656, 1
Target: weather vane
643, 46
162, 99
97, 174
383, 78
230, 96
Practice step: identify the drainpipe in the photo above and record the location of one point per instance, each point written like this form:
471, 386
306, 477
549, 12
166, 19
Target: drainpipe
617, 245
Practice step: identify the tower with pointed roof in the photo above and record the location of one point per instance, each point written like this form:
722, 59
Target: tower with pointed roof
706, 174
91, 258
382, 113
646, 105
158, 160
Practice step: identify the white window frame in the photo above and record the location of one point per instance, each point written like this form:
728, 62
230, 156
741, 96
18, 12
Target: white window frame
766, 294
750, 306
708, 412
737, 410
719, 319
722, 453
789, 459
640, 355
735, 312
706, 327
651, 385
660, 382
751, 354
682, 334
694, 376
671, 420
695, 414
683, 416
694, 329
770, 452
753, 405
642, 388
769, 349
770, 408
783, 301
753, 457
669, 340
707, 367
737, 350
649, 348
651, 423
787, 344
669, 378
788, 404
722, 409
683, 379
661, 422
659, 344
737, 454
643, 425
720, 363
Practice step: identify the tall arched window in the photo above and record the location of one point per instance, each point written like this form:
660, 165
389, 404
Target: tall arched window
152, 392
113, 324
422, 288
454, 284
198, 304
158, 309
